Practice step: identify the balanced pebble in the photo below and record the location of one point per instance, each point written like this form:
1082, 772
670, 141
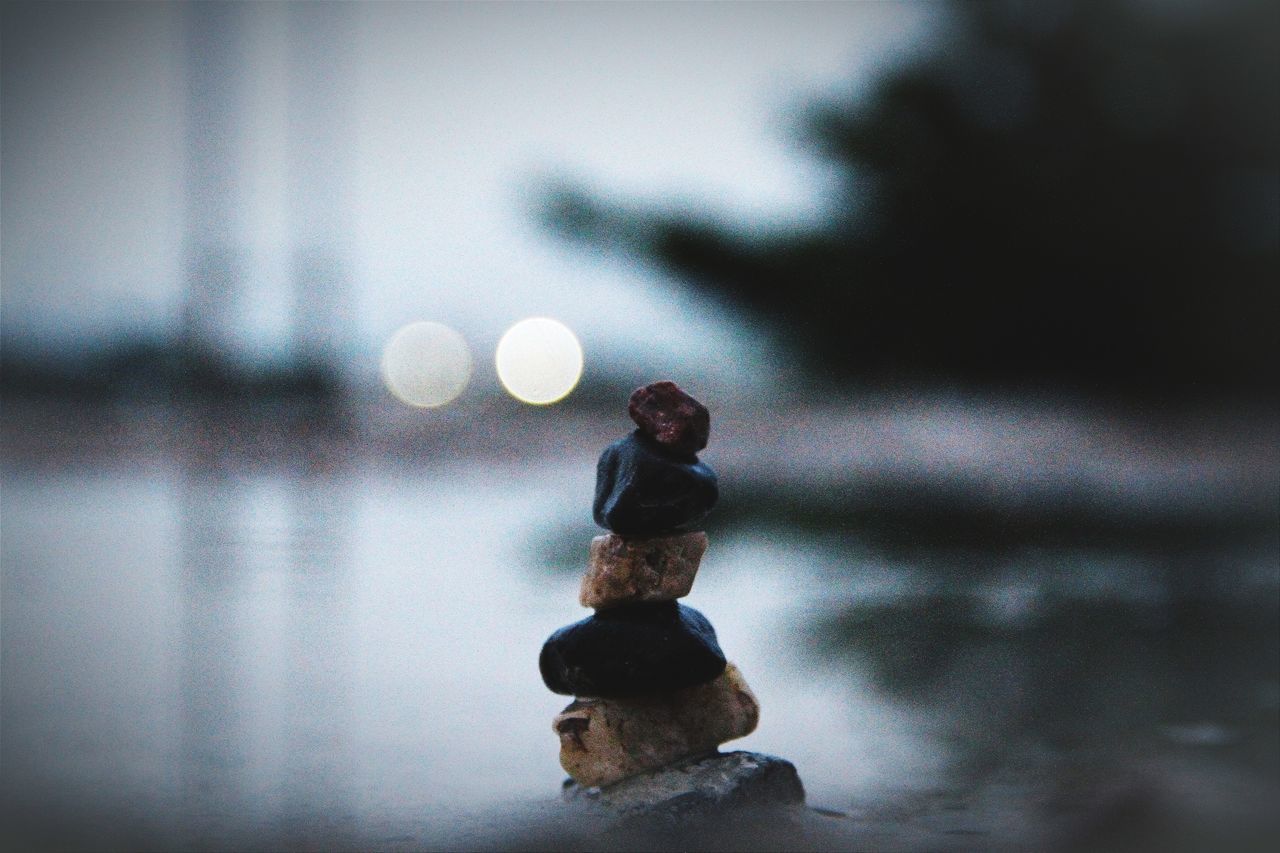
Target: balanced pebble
670, 417
643, 489
628, 569
632, 650
605, 740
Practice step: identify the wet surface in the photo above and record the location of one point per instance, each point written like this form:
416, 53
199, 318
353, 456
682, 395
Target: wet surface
203, 659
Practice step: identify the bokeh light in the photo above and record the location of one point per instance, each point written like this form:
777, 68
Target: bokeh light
539, 361
426, 364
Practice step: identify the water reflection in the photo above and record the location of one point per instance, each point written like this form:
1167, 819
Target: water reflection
1079, 671
1080, 712
317, 809
264, 572
311, 650
212, 750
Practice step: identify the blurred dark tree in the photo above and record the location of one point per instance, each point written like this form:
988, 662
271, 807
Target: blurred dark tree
1083, 195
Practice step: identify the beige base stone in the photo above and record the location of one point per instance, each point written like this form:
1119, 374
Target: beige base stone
626, 569
605, 740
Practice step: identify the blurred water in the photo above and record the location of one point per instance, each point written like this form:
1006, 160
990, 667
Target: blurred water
227, 651
350, 658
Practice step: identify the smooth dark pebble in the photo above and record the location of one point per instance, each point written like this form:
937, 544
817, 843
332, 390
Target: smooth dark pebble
642, 489
632, 650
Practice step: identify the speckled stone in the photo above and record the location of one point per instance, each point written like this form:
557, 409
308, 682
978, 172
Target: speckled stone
623, 570
644, 489
605, 740
670, 417
632, 650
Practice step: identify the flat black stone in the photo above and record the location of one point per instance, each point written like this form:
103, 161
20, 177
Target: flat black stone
704, 786
632, 650
644, 488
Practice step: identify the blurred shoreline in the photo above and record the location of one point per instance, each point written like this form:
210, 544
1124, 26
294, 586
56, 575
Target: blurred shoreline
934, 434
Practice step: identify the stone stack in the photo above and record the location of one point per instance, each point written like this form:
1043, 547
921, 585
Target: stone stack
651, 685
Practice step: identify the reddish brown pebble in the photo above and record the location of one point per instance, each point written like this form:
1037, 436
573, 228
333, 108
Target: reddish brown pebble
670, 417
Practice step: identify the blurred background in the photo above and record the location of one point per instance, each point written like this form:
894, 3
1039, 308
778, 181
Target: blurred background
982, 299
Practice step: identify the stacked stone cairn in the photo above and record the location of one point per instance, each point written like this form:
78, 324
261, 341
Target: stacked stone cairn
652, 688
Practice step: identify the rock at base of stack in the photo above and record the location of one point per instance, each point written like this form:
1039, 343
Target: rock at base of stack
719, 785
605, 740
641, 568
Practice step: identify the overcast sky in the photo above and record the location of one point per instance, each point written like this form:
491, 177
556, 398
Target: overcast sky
455, 110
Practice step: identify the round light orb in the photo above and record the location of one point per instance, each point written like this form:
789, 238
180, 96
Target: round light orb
539, 361
426, 364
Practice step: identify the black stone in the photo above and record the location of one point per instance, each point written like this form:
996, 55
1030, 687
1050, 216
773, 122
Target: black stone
643, 488
718, 785
632, 650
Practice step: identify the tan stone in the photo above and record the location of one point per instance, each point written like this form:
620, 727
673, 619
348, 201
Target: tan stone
626, 569
605, 740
